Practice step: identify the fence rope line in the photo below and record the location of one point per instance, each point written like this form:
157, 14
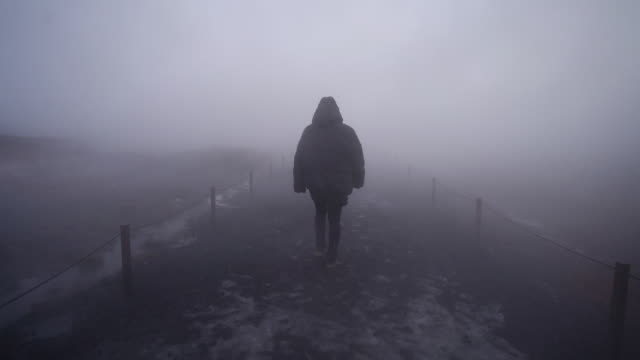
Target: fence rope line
103, 245
548, 239
93, 252
59, 273
532, 232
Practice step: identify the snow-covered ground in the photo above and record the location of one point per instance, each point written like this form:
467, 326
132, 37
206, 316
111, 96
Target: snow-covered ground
246, 328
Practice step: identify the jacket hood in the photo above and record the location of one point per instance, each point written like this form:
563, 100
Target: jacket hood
327, 112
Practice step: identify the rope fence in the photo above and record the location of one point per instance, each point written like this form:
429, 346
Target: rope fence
622, 273
59, 273
111, 240
517, 224
557, 243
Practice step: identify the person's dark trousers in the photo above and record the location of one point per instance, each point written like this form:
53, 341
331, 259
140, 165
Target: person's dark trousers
333, 210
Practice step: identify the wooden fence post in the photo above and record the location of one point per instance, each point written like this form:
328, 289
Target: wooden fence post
433, 192
618, 308
478, 216
125, 233
212, 197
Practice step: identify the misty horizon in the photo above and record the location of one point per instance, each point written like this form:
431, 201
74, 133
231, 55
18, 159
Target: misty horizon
431, 82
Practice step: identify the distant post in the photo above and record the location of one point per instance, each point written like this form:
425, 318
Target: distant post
212, 197
618, 308
433, 192
478, 216
125, 233
251, 182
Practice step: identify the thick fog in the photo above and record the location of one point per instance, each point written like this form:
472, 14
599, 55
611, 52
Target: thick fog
438, 80
497, 134
522, 102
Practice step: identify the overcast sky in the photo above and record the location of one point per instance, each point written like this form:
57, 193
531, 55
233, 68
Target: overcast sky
448, 79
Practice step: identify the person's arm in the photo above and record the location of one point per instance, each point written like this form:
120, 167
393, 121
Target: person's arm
357, 157
298, 167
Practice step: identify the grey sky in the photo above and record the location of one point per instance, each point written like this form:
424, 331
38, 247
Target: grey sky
505, 80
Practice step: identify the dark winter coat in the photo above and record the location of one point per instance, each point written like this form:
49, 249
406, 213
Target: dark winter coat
329, 156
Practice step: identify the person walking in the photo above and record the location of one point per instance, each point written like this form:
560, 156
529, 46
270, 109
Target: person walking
329, 162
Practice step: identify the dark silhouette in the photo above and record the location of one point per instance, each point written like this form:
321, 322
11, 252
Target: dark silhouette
330, 163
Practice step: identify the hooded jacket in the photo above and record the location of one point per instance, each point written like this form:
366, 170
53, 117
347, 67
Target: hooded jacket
329, 156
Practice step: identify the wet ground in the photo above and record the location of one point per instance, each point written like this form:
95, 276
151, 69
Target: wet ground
416, 284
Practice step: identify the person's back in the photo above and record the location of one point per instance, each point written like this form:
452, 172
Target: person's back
329, 163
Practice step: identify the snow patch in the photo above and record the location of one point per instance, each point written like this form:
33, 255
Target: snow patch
248, 328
